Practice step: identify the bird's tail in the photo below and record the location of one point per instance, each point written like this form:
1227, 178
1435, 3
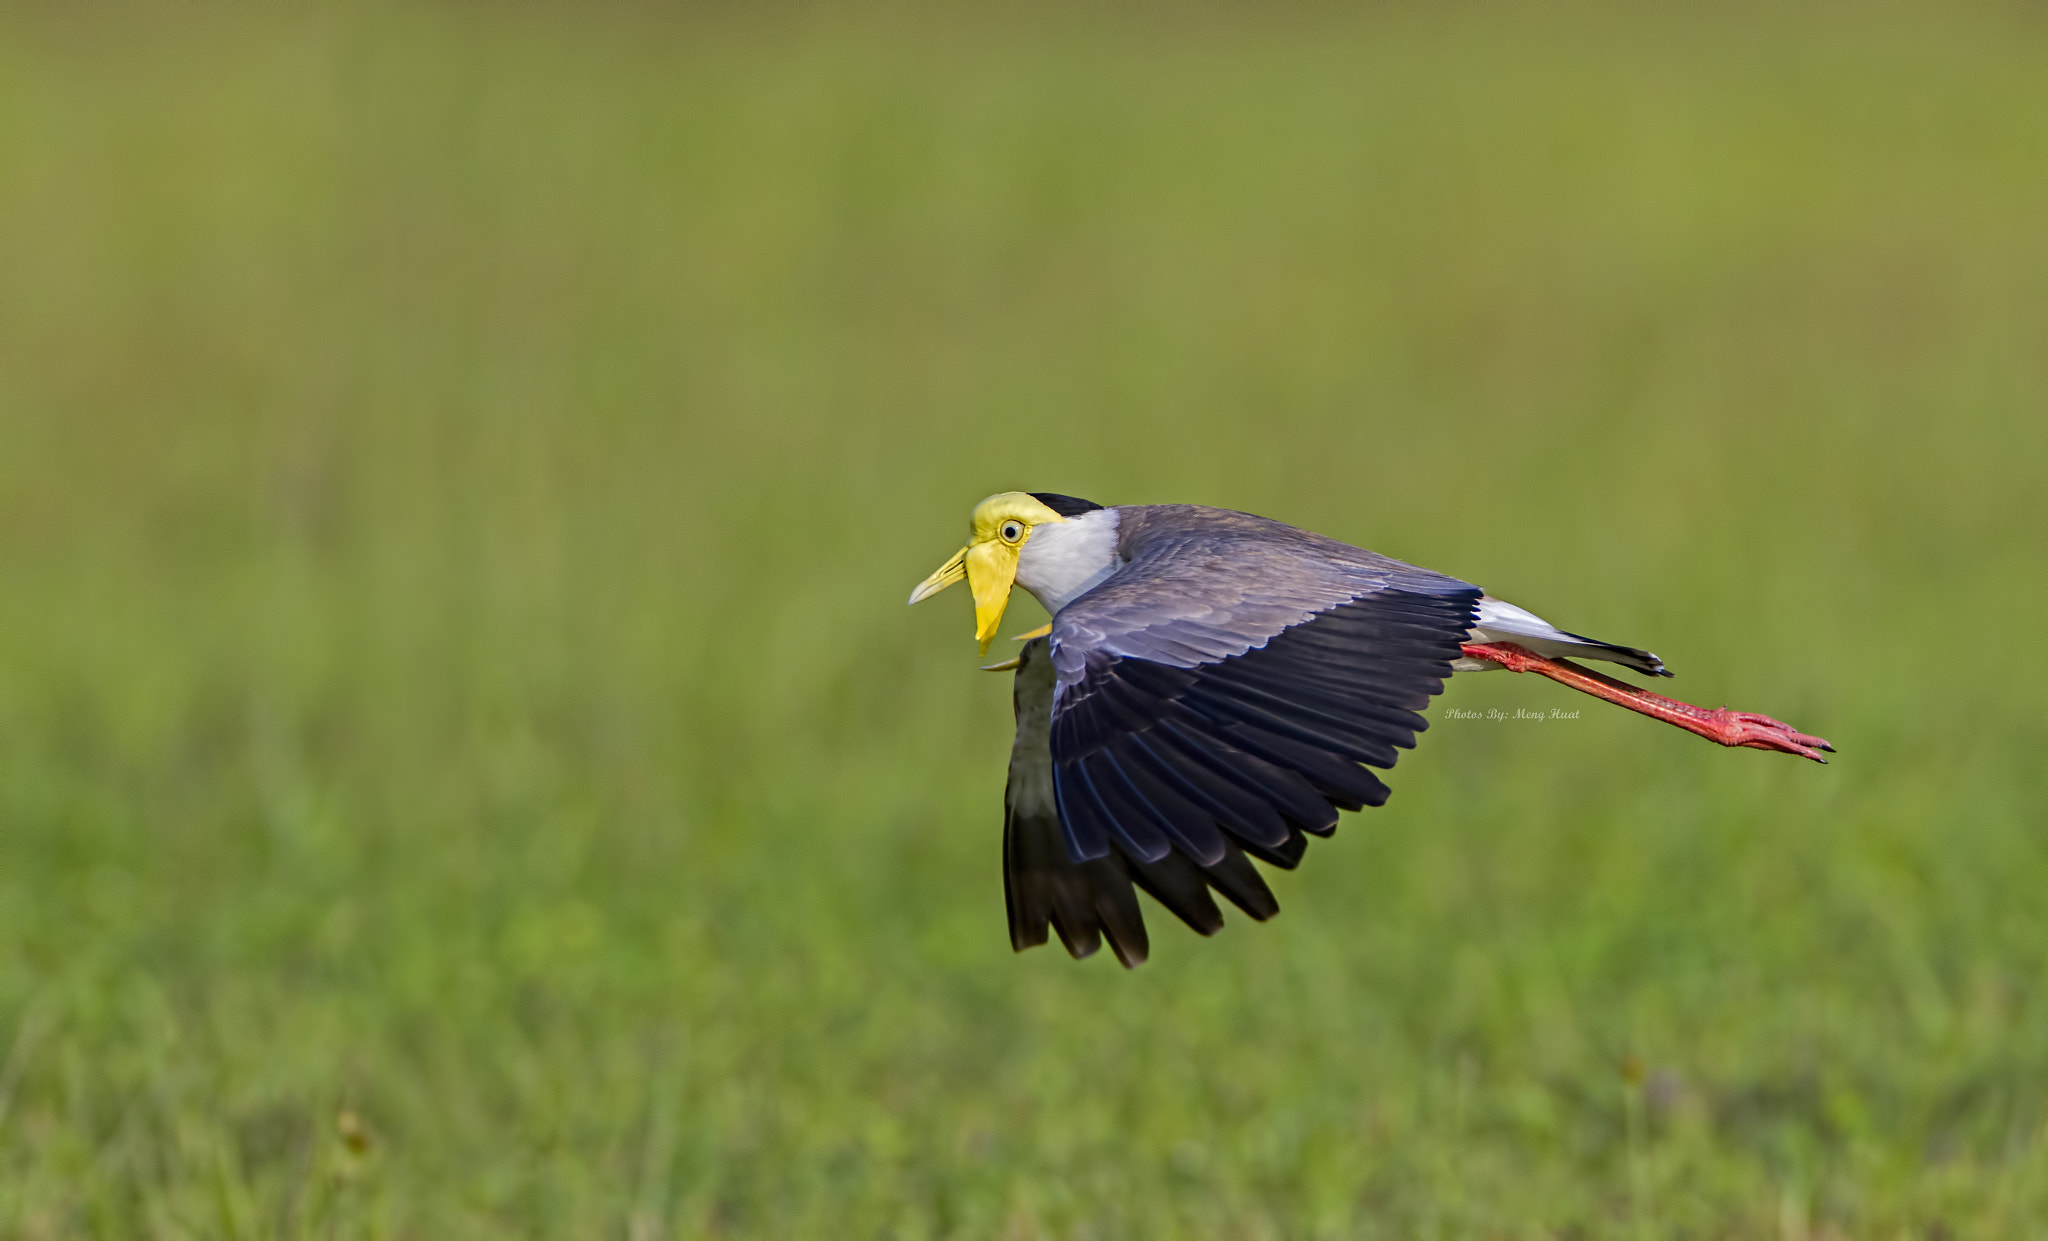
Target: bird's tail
1499, 621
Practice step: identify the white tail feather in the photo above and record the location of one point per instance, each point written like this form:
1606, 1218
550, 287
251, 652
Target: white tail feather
1500, 621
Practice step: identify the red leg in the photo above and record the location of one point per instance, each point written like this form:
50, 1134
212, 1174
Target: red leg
1759, 732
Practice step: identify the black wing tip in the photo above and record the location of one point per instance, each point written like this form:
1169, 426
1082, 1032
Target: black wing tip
1181, 886
1123, 930
1285, 856
1080, 946
1130, 951
1243, 886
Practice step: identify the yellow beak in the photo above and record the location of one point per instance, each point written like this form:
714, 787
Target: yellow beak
945, 575
990, 569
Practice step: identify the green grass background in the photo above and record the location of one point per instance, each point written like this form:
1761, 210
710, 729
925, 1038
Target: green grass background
460, 472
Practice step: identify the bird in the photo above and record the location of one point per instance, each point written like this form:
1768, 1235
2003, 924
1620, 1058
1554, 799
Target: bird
1215, 686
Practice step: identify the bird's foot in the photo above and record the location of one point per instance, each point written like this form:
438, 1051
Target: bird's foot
1761, 732
1731, 728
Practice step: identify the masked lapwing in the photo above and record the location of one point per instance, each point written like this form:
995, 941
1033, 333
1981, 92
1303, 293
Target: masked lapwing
1214, 685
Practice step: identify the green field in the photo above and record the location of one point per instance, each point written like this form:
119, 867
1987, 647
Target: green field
466, 769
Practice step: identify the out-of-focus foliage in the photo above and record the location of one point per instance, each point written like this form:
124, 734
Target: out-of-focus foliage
466, 769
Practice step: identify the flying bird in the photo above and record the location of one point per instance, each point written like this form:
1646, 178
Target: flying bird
1214, 685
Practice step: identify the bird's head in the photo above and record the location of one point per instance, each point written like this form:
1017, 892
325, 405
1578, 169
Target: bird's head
1002, 524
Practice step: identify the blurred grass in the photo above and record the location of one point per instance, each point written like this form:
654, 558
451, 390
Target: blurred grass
460, 470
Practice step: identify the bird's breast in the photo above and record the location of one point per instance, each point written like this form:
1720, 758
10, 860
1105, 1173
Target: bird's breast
1064, 560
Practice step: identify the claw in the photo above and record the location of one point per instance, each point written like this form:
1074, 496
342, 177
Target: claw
1761, 732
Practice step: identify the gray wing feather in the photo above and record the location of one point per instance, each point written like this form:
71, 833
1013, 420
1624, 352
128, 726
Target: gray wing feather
1203, 584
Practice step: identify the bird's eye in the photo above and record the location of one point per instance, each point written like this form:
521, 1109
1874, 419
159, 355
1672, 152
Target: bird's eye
1011, 531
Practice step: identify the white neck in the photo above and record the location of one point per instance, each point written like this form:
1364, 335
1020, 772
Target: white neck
1063, 560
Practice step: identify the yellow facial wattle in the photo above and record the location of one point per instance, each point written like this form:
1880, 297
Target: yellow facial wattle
1002, 524
991, 572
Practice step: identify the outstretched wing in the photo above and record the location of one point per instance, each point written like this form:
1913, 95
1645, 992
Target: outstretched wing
1088, 901
1224, 692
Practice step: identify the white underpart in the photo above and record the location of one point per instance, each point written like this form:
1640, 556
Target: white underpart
1063, 560
1504, 622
